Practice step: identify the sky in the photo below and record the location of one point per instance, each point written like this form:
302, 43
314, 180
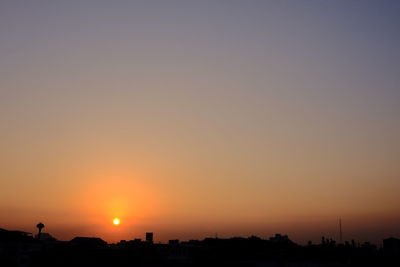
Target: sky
200, 118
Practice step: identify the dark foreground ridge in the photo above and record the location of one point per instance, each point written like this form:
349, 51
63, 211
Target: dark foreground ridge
22, 249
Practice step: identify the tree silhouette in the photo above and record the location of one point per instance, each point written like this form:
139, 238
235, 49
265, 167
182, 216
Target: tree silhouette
39, 226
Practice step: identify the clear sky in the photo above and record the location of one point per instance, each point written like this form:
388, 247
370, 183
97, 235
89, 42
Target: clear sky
190, 118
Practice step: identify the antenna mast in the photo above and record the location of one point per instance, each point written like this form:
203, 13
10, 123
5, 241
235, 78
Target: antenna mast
340, 231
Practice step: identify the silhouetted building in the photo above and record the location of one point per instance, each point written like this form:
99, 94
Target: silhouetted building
14, 236
88, 242
149, 237
391, 245
173, 242
45, 237
278, 238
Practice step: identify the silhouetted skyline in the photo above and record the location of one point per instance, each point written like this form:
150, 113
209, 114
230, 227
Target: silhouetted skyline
20, 249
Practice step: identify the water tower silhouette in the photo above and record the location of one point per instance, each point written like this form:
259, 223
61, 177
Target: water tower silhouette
40, 226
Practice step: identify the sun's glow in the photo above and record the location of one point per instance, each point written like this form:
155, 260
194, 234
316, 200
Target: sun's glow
116, 221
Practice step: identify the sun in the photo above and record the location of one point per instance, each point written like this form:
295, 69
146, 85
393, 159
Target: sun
116, 221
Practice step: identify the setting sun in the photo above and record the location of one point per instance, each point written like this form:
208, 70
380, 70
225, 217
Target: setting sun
116, 221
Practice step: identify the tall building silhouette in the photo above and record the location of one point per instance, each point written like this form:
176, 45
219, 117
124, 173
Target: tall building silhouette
149, 237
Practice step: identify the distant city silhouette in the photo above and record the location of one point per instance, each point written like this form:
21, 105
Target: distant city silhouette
18, 248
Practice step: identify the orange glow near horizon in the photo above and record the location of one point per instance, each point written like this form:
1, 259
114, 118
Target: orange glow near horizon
117, 195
